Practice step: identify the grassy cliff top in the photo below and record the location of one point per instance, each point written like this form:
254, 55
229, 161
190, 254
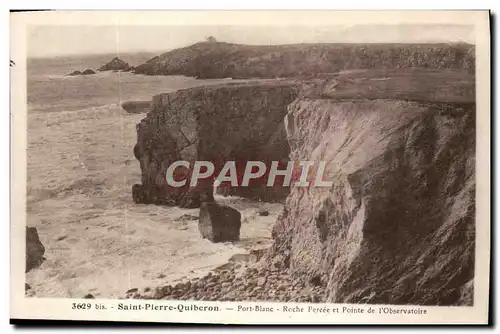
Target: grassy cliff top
414, 84
221, 60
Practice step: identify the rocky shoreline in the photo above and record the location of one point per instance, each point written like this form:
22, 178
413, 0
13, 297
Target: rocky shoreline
237, 283
240, 283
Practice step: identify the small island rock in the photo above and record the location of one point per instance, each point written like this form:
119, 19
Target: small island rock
116, 64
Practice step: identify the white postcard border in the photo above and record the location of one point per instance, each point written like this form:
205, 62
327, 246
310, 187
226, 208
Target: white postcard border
61, 308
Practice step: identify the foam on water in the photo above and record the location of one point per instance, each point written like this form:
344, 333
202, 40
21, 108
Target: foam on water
81, 169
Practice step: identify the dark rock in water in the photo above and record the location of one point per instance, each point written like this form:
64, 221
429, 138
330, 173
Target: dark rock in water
219, 223
132, 290
88, 71
263, 213
116, 64
34, 249
136, 107
88, 296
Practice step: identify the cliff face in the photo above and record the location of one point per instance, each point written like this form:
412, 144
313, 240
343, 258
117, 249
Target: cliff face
397, 226
238, 122
222, 60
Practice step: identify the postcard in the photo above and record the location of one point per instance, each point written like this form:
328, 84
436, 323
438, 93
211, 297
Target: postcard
251, 167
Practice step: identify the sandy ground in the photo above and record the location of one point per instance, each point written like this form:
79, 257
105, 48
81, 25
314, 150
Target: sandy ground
80, 172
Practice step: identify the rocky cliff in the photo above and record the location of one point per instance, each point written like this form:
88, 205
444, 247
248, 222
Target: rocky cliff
237, 122
223, 60
397, 226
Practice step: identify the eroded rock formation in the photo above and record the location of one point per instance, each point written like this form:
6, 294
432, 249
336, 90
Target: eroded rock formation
237, 122
398, 224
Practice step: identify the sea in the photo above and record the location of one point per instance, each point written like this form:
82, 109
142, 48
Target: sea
80, 173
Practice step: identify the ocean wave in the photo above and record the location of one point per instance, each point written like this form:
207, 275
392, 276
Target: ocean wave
48, 118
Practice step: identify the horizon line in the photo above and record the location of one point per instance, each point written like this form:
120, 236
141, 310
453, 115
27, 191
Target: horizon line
256, 45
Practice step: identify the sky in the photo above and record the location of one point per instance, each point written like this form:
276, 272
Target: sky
52, 40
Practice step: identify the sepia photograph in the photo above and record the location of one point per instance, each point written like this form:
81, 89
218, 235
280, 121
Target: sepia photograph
322, 168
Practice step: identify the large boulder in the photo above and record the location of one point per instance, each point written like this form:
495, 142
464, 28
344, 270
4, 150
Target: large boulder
116, 64
233, 122
219, 223
34, 249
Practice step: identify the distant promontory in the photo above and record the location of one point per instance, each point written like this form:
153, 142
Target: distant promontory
213, 59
